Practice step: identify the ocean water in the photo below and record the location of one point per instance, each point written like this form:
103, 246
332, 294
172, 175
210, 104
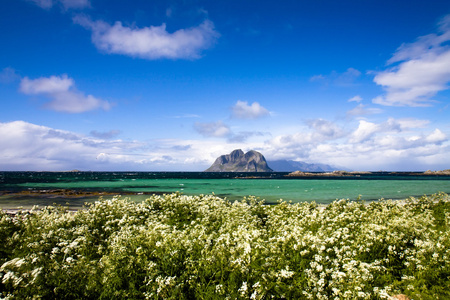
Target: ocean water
26, 189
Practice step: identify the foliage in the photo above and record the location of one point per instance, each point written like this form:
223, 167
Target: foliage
204, 247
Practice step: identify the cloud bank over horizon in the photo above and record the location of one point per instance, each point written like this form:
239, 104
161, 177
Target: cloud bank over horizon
389, 145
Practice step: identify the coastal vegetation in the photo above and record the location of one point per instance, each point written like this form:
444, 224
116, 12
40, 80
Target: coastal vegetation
204, 247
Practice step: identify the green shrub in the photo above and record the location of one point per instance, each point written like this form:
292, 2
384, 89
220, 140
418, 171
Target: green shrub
204, 247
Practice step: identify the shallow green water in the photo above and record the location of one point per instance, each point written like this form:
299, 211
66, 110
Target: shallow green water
295, 190
323, 191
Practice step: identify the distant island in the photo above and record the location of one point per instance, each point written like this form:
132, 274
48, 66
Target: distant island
253, 161
292, 165
327, 174
358, 174
443, 172
238, 161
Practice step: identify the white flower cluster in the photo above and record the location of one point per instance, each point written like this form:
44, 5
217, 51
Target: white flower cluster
195, 247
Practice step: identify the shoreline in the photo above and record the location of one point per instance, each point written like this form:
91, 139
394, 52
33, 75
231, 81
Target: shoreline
68, 193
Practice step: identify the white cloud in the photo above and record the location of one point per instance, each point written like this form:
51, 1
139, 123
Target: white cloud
31, 147
423, 70
395, 144
436, 137
50, 85
362, 110
410, 123
324, 130
389, 145
242, 110
152, 42
66, 4
26, 146
356, 98
300, 145
367, 130
63, 94
213, 129
364, 131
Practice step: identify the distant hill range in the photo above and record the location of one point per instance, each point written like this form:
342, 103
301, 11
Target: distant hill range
238, 161
291, 166
253, 161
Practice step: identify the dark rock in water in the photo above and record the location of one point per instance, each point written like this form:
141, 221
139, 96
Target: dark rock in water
327, 174
237, 161
291, 166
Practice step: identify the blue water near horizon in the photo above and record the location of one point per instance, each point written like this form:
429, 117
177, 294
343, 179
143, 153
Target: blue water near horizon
233, 186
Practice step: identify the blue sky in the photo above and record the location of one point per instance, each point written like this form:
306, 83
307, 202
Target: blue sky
170, 85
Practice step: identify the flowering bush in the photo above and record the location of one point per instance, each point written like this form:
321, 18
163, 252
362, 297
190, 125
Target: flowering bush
204, 247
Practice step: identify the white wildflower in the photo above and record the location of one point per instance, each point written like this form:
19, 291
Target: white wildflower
243, 289
219, 289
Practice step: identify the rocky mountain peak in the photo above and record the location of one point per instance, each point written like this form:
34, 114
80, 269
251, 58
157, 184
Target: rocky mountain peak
238, 161
236, 154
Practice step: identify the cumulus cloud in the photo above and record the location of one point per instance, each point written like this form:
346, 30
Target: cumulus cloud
367, 130
364, 131
300, 144
66, 4
153, 42
25, 146
436, 137
50, 85
62, 93
422, 70
29, 147
324, 129
242, 110
212, 129
395, 144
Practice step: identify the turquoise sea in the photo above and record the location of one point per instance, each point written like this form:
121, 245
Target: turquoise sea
26, 189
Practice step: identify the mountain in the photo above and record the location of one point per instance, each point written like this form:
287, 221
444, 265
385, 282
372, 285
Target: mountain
237, 161
291, 166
